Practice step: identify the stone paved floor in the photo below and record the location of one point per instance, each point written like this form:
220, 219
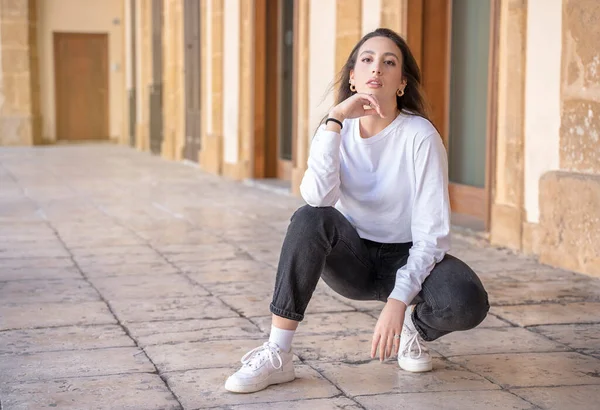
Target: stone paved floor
127, 281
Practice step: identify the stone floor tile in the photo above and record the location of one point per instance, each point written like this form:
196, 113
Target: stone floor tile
39, 273
54, 314
201, 355
101, 242
126, 250
118, 259
147, 287
328, 323
63, 338
513, 292
494, 340
462, 400
179, 331
51, 290
73, 363
128, 391
143, 269
203, 249
334, 403
576, 336
143, 310
534, 369
374, 377
240, 288
360, 305
491, 320
563, 397
37, 263
258, 304
230, 271
550, 313
206, 253
205, 388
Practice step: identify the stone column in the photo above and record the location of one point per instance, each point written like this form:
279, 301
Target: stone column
348, 29
507, 203
144, 66
393, 15
19, 78
302, 121
173, 91
570, 198
211, 153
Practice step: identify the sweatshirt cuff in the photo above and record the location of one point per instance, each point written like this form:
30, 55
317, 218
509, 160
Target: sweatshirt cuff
404, 292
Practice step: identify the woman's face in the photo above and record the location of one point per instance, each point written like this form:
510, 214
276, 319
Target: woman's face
378, 69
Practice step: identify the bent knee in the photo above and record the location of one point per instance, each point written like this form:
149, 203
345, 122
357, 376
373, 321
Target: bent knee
311, 217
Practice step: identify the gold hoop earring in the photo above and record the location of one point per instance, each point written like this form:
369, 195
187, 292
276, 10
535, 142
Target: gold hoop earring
352, 88
400, 92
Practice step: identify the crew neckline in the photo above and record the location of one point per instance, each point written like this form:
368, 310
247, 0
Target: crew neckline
380, 135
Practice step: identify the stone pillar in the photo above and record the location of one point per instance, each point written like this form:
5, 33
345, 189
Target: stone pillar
348, 29
507, 203
211, 153
570, 198
173, 82
144, 67
393, 14
302, 120
19, 78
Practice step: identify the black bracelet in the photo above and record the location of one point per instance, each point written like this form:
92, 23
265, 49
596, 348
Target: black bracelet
334, 120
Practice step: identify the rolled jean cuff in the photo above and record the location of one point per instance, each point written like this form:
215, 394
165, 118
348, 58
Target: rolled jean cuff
286, 314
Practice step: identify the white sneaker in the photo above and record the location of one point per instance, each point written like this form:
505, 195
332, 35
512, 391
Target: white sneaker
263, 366
413, 355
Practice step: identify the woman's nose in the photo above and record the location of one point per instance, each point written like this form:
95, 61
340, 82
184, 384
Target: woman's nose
376, 70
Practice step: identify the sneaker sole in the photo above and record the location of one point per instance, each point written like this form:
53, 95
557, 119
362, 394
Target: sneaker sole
277, 378
416, 367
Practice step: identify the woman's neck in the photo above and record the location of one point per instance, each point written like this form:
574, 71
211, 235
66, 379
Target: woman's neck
373, 124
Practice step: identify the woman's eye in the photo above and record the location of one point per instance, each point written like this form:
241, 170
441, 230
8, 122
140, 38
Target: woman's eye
390, 62
366, 60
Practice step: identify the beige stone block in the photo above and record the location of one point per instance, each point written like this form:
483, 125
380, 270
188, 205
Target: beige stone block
472, 400
15, 34
204, 388
15, 61
17, 98
211, 155
534, 369
236, 171
530, 241
392, 15
14, 9
506, 226
580, 135
570, 221
63, 338
552, 313
581, 36
562, 397
496, 340
127, 391
68, 364
374, 377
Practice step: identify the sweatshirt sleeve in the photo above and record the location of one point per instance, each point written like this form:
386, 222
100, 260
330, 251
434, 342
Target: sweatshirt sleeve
430, 221
320, 185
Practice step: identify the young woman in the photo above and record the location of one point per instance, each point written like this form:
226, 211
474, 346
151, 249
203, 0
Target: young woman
377, 223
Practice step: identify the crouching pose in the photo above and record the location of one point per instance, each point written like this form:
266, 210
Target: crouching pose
377, 222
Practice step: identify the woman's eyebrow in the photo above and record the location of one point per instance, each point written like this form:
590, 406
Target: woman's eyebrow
389, 53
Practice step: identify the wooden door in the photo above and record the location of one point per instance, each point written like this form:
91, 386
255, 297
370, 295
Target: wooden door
274, 89
156, 112
81, 81
192, 79
451, 42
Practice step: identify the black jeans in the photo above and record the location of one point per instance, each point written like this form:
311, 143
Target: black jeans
321, 243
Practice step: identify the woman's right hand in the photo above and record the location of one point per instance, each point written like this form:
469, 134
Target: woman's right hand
354, 107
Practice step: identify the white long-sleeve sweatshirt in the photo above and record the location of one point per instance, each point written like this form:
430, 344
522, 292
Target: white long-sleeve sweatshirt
392, 187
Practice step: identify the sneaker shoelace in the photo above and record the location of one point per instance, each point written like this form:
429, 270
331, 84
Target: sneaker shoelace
413, 342
256, 356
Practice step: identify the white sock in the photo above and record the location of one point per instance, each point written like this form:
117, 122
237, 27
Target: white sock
283, 338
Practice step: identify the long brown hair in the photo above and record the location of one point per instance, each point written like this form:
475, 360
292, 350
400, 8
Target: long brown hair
413, 101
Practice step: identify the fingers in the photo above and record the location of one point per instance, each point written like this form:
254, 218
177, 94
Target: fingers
396, 345
374, 344
389, 346
371, 101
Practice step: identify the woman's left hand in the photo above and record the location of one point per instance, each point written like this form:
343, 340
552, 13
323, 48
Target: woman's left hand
389, 324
